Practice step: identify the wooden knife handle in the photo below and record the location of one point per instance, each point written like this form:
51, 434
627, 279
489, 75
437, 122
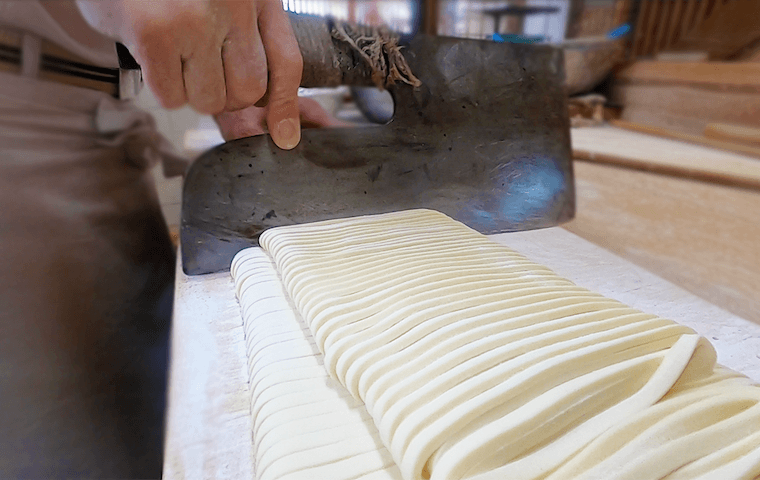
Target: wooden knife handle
327, 62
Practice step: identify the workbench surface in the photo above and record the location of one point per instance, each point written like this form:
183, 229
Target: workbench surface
209, 426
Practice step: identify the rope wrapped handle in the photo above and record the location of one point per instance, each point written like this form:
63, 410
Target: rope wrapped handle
341, 53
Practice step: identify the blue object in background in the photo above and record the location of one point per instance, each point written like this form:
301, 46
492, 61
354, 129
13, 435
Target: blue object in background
617, 32
620, 31
515, 38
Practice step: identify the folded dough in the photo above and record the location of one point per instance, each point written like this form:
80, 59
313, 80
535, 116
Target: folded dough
408, 345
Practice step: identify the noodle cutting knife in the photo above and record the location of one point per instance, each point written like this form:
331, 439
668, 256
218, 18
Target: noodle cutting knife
484, 138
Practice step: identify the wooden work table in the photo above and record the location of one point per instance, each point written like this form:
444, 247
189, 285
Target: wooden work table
209, 422
701, 236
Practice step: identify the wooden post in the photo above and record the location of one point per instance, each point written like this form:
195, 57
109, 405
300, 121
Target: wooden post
574, 18
514, 24
429, 14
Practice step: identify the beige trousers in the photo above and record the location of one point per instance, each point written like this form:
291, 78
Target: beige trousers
86, 275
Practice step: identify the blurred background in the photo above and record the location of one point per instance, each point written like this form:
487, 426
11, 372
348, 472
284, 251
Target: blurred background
680, 67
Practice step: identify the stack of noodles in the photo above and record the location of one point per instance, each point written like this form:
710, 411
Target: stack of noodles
408, 346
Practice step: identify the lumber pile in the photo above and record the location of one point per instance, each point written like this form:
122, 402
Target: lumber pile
688, 96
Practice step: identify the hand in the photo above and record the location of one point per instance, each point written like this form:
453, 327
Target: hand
216, 55
251, 121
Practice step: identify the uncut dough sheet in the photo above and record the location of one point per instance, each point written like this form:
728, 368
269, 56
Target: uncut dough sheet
407, 345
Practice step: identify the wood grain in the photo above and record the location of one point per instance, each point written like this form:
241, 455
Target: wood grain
686, 108
654, 14
650, 153
720, 138
703, 237
720, 27
731, 74
724, 31
675, 19
733, 133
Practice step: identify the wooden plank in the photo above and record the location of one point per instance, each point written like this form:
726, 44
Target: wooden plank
687, 137
733, 133
662, 26
645, 152
720, 27
724, 31
622, 13
652, 23
722, 74
698, 17
651, 116
671, 56
685, 108
641, 23
687, 18
675, 20
700, 236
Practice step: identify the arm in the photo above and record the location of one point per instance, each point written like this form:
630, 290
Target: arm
217, 55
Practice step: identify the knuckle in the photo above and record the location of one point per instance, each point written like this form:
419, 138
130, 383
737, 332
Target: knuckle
282, 106
251, 91
235, 104
239, 102
283, 92
209, 95
203, 108
169, 97
214, 106
257, 88
285, 76
208, 104
292, 62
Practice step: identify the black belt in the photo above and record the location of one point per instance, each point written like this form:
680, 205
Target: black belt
123, 82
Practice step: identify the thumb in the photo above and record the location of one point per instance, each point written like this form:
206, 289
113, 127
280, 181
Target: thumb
285, 66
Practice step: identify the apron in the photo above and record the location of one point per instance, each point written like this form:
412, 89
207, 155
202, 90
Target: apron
86, 284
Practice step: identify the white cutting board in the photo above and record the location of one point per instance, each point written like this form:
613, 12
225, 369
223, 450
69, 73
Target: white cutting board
209, 426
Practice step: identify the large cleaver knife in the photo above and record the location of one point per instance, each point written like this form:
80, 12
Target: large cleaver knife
484, 138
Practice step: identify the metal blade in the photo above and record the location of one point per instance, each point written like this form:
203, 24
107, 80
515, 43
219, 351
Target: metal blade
484, 140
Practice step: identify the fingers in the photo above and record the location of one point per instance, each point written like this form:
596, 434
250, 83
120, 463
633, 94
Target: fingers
220, 55
202, 67
162, 68
241, 123
314, 116
204, 80
245, 63
179, 49
285, 66
251, 121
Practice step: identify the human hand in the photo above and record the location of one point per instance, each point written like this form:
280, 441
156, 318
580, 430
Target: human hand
216, 55
252, 120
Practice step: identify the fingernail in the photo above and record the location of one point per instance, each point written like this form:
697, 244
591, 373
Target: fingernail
288, 134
